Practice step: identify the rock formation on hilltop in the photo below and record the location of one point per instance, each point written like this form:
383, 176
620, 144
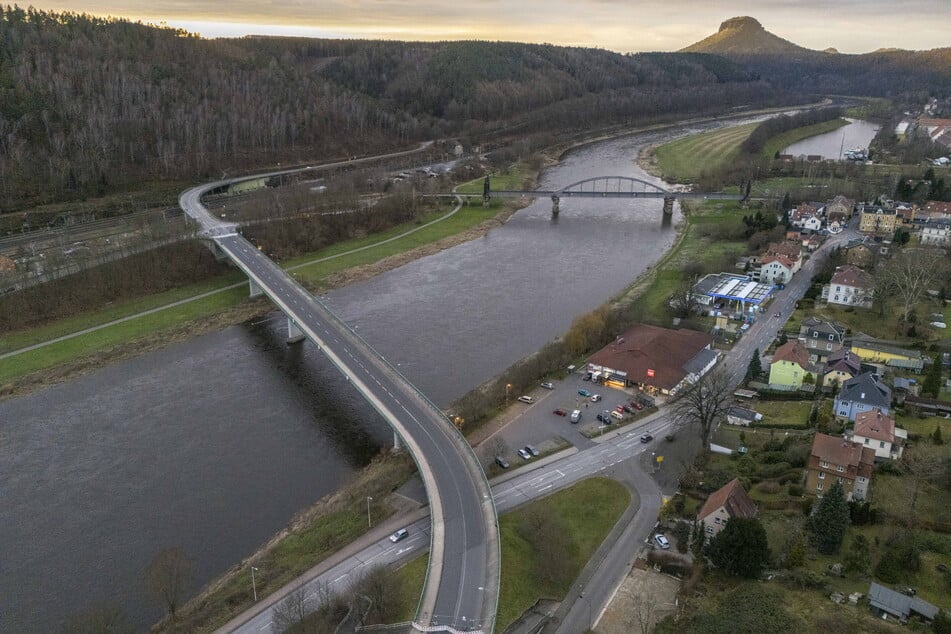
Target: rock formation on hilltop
744, 36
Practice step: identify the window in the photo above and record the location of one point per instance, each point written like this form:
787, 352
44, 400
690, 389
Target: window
836, 298
822, 475
828, 346
818, 486
709, 529
866, 441
838, 288
832, 337
881, 444
824, 464
839, 468
815, 334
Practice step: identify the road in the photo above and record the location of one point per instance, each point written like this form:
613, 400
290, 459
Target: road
462, 580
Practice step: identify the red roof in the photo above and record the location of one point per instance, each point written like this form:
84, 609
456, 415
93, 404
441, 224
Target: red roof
733, 497
855, 459
792, 250
875, 425
644, 348
849, 275
794, 352
782, 259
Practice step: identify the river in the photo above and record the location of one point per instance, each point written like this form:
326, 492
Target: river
832, 145
213, 444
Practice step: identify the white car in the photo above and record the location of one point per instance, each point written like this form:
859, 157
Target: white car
595, 398
575, 416
661, 541
527, 399
399, 535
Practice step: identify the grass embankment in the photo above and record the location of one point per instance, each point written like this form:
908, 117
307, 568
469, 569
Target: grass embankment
317, 532
586, 512
315, 269
780, 142
684, 160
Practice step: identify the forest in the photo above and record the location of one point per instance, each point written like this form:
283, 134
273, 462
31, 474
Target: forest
90, 106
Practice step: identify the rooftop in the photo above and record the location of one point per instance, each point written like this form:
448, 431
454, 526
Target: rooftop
867, 388
733, 497
875, 425
839, 451
793, 352
849, 275
734, 287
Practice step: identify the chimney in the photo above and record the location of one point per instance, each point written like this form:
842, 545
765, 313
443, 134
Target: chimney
863, 395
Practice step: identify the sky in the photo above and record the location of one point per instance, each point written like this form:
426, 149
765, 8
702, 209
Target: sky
851, 26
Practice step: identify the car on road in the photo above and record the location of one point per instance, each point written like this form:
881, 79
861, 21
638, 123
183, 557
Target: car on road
531, 449
527, 399
560, 412
744, 327
777, 314
584, 393
575, 416
548, 385
525, 454
399, 535
595, 398
661, 541
646, 438
502, 462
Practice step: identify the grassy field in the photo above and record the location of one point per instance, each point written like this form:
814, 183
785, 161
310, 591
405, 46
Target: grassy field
784, 412
587, 512
684, 160
779, 142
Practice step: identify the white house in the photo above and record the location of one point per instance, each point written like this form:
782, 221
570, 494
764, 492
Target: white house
877, 431
723, 505
935, 232
850, 286
775, 269
806, 217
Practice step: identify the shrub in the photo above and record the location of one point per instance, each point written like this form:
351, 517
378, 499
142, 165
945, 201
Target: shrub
769, 487
797, 456
795, 490
773, 470
900, 559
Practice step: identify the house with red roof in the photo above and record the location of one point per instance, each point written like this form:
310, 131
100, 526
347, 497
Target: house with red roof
725, 503
806, 217
877, 431
835, 459
850, 286
789, 366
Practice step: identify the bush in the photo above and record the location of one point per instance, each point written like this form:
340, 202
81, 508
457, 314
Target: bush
795, 490
773, 470
681, 533
797, 456
769, 487
900, 560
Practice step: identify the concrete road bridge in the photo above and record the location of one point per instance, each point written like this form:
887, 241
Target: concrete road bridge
606, 187
462, 582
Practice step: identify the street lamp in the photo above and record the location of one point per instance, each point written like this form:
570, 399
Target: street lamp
369, 523
254, 587
508, 388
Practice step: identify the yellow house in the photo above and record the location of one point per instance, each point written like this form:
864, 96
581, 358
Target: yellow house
874, 352
877, 220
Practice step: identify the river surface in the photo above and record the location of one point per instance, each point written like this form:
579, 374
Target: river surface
212, 445
832, 145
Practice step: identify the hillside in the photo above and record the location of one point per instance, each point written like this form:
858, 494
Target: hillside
91, 105
744, 36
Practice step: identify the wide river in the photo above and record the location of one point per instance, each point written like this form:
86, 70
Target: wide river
833, 145
212, 445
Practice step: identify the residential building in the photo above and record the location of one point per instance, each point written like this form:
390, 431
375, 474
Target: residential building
839, 209
934, 232
905, 213
655, 359
878, 221
872, 351
775, 269
864, 393
850, 286
842, 365
790, 249
742, 416
821, 338
859, 253
724, 504
806, 217
937, 210
877, 431
834, 459
789, 366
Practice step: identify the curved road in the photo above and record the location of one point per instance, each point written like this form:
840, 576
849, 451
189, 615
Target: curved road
461, 590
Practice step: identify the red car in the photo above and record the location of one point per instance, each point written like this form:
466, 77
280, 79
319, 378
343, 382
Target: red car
560, 412
619, 409
636, 405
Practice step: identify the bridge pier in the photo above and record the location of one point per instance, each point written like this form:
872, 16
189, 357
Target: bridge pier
256, 291
294, 333
555, 208
668, 209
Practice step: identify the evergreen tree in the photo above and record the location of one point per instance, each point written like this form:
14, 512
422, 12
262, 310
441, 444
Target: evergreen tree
740, 548
936, 436
859, 556
755, 368
830, 520
699, 541
932, 382
797, 553
783, 339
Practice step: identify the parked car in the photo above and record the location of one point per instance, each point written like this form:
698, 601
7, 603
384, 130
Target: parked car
595, 398
575, 416
584, 393
527, 399
646, 438
560, 412
619, 408
525, 454
399, 535
636, 405
628, 409
586, 377
605, 417
531, 449
548, 385
661, 541
618, 415
502, 462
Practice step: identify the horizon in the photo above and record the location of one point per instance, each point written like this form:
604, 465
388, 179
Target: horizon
668, 26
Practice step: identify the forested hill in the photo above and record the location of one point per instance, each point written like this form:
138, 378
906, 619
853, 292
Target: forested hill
90, 105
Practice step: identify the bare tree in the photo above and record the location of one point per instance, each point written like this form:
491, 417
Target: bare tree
168, 576
290, 611
642, 616
704, 403
910, 273
683, 301
926, 467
